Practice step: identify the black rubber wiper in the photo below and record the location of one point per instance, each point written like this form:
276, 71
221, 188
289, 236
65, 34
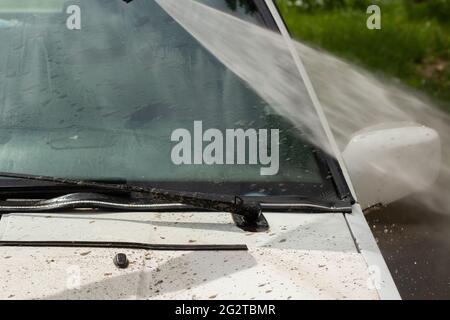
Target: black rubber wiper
246, 214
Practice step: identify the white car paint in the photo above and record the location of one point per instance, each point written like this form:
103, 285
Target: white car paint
303, 256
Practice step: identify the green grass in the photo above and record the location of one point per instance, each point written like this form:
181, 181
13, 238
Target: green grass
415, 50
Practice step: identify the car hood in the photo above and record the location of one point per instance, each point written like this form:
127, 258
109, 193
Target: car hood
302, 256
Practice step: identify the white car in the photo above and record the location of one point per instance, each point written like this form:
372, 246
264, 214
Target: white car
119, 180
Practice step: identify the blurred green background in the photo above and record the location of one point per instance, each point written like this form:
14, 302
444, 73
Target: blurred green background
413, 44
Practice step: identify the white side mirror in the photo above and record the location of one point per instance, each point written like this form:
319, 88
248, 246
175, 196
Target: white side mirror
389, 162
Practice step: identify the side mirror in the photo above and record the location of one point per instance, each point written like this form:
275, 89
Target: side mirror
389, 162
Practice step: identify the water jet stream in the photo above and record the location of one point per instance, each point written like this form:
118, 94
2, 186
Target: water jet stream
352, 98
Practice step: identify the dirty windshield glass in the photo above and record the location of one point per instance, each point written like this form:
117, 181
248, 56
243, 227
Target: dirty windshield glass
100, 89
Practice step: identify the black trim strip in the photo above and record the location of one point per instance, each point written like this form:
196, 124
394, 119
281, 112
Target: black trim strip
339, 181
126, 245
266, 16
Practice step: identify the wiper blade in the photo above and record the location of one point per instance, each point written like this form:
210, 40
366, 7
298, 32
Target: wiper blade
20, 188
247, 214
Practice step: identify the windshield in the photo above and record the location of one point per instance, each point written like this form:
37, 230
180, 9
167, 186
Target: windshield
104, 89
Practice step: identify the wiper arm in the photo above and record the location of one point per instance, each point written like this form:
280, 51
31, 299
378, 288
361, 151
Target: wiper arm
246, 214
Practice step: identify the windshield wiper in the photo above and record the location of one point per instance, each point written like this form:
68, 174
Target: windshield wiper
246, 214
